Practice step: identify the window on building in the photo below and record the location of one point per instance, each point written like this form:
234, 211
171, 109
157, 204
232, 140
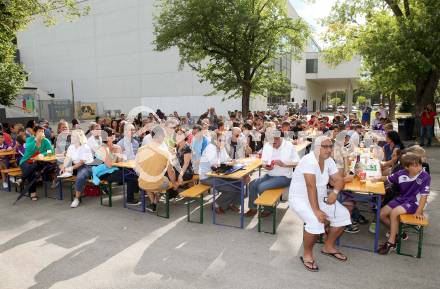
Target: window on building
311, 65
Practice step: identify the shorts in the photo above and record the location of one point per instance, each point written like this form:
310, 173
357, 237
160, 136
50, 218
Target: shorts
337, 214
347, 197
409, 207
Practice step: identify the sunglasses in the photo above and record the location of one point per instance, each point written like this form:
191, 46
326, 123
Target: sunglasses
327, 146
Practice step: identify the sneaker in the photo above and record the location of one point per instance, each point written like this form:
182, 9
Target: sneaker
352, 229
75, 203
151, 208
372, 228
65, 175
133, 202
404, 235
5, 185
386, 248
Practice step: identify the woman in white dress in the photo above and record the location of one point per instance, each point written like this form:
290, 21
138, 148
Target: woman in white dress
315, 205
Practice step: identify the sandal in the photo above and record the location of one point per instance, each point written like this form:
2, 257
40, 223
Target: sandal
309, 265
34, 198
333, 255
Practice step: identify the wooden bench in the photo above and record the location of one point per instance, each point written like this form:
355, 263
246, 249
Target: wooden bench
409, 221
194, 193
71, 180
12, 172
102, 184
269, 200
193, 181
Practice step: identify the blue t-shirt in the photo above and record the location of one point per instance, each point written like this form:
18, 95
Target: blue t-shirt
388, 151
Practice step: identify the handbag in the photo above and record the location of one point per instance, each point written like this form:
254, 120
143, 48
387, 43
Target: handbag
91, 191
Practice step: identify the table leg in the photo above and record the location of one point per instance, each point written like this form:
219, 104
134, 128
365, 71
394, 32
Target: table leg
242, 204
123, 188
376, 235
213, 201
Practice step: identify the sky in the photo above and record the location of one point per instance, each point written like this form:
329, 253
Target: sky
311, 12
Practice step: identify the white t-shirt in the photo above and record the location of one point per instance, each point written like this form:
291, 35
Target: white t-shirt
81, 153
286, 153
94, 143
211, 157
309, 165
147, 139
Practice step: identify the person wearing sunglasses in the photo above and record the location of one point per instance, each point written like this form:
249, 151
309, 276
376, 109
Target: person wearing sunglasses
311, 201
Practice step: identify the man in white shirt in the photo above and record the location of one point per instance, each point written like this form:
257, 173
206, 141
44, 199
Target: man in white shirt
279, 158
213, 156
309, 198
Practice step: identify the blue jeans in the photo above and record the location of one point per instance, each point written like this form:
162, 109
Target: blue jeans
83, 174
230, 194
258, 186
426, 131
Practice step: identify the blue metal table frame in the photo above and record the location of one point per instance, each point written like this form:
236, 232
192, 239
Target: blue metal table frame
371, 198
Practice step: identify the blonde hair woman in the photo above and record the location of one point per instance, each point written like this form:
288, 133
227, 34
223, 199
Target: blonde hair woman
78, 157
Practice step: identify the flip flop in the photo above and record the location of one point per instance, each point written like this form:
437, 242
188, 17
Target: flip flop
311, 263
333, 255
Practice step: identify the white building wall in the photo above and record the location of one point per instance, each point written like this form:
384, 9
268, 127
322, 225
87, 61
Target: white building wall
109, 56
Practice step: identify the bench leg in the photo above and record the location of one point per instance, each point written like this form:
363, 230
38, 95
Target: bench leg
188, 210
45, 188
201, 208
259, 218
60, 189
274, 219
9, 182
110, 192
419, 247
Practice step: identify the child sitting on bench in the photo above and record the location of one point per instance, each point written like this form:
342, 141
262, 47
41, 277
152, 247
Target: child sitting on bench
411, 181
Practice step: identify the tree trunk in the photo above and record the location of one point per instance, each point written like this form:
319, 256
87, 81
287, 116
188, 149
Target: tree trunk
392, 106
245, 98
425, 91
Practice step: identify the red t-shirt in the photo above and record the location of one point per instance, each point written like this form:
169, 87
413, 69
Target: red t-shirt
8, 138
428, 118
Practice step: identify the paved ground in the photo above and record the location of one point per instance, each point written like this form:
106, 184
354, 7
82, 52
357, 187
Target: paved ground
48, 245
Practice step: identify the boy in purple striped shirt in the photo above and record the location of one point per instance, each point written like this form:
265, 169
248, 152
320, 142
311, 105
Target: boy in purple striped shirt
413, 183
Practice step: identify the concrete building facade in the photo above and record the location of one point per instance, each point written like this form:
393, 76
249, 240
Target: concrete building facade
110, 58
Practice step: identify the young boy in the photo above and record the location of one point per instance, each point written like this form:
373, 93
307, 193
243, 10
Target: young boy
412, 181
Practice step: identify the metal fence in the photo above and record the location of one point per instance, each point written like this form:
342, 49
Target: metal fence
55, 110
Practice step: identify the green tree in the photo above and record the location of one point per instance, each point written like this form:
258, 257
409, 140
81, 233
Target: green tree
398, 40
361, 100
15, 15
335, 101
232, 44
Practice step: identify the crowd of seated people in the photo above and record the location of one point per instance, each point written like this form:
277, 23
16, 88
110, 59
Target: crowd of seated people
169, 150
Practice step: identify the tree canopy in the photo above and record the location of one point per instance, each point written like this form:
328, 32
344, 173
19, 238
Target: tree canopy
399, 41
232, 43
15, 15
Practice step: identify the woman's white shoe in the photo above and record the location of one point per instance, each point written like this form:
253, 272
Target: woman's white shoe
75, 203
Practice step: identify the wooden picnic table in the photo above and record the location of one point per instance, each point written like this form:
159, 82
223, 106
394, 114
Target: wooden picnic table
235, 179
126, 165
371, 191
47, 159
251, 165
7, 153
